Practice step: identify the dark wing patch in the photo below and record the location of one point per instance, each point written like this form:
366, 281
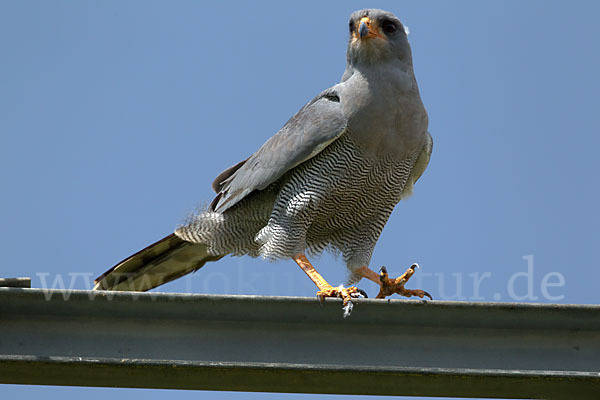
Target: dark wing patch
219, 181
305, 135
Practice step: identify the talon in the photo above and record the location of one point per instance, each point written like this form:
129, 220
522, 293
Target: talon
363, 293
383, 276
321, 298
391, 286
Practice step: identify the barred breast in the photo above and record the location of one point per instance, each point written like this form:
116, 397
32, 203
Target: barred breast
339, 200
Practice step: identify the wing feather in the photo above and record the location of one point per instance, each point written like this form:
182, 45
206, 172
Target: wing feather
306, 134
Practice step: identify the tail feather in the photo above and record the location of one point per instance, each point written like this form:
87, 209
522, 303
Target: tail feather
157, 264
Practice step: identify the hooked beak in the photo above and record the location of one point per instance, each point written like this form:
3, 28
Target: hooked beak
363, 28
366, 29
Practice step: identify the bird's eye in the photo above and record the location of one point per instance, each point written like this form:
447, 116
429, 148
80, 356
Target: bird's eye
389, 26
351, 26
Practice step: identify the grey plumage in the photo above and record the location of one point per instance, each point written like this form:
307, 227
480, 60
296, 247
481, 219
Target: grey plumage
329, 178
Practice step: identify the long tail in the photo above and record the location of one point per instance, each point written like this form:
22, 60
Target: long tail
157, 264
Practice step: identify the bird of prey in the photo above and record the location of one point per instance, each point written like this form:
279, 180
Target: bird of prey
329, 179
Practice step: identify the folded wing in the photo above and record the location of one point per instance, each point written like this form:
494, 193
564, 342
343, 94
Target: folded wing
305, 135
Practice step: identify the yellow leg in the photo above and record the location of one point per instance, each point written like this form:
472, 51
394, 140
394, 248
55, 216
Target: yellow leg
325, 289
368, 273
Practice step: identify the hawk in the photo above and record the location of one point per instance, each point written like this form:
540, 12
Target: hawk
329, 179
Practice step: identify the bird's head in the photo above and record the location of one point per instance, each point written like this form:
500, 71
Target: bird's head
376, 37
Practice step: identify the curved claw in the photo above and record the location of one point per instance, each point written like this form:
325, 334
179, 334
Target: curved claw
321, 298
414, 292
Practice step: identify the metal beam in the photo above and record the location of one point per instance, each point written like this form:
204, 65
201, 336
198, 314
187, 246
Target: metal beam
15, 282
288, 344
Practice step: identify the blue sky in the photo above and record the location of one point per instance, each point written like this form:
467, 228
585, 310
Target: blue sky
115, 117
